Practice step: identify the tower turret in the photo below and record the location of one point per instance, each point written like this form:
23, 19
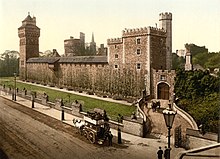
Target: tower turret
29, 35
92, 46
188, 64
166, 24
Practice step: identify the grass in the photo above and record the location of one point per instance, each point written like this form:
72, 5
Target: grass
112, 109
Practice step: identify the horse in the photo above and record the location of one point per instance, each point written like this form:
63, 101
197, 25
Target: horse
78, 123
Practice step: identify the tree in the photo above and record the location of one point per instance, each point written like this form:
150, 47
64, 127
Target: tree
198, 94
213, 61
177, 62
9, 63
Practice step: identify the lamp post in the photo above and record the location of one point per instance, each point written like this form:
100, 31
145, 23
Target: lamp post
15, 87
120, 119
169, 116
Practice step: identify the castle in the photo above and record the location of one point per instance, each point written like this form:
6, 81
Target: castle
139, 60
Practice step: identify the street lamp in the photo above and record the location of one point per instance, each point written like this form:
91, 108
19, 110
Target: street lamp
15, 91
169, 116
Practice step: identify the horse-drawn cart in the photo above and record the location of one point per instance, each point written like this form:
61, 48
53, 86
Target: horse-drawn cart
96, 128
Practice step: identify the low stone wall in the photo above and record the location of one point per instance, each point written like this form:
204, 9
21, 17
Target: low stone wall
131, 126
134, 127
186, 116
204, 152
196, 139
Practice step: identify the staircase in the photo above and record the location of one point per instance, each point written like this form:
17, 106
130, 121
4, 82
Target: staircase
158, 126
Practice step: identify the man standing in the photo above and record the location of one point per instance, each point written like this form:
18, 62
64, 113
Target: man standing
166, 153
160, 153
110, 136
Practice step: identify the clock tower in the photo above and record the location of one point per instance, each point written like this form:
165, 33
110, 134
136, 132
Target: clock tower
29, 35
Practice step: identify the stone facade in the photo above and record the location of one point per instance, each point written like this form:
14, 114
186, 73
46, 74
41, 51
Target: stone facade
163, 82
75, 47
29, 35
188, 64
166, 24
126, 70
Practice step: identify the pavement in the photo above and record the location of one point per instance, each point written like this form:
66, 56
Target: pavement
128, 139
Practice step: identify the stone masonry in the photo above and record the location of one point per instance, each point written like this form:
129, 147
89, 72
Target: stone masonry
126, 70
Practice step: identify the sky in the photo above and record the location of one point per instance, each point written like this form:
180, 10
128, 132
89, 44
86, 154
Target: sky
194, 21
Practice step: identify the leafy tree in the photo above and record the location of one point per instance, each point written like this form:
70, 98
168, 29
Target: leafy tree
213, 61
177, 62
200, 58
194, 49
198, 94
9, 63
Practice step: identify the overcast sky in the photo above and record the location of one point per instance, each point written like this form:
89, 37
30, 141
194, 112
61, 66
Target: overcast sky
194, 21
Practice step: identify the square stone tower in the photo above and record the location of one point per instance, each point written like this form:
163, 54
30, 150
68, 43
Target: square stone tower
29, 35
166, 24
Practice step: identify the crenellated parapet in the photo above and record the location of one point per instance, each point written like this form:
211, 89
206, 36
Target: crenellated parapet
171, 72
143, 31
114, 41
157, 31
165, 16
134, 32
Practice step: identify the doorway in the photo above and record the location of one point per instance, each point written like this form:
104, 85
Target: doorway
163, 91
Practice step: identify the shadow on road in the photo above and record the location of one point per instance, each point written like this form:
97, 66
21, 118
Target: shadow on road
3, 154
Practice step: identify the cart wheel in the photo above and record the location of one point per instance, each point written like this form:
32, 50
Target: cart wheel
91, 137
85, 133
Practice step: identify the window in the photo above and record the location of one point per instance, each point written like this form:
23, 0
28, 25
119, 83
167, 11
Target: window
138, 41
162, 77
22, 62
138, 51
138, 66
116, 56
116, 66
115, 46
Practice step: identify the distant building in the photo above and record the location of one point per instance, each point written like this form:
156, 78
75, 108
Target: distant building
181, 53
188, 64
92, 47
75, 47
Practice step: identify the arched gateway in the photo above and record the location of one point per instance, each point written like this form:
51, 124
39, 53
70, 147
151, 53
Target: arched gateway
163, 91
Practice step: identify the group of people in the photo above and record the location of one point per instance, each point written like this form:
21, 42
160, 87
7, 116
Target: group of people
155, 105
161, 153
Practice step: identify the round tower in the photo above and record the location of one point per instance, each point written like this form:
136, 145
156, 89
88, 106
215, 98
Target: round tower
165, 20
29, 35
72, 47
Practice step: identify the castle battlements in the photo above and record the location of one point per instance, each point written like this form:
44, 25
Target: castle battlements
142, 31
164, 71
114, 41
134, 32
156, 29
165, 16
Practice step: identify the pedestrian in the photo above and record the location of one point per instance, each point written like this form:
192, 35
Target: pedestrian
160, 153
110, 136
166, 153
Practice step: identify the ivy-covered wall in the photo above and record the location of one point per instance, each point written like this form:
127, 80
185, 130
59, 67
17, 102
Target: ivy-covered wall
102, 78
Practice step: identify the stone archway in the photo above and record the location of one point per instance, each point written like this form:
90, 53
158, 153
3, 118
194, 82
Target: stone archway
163, 91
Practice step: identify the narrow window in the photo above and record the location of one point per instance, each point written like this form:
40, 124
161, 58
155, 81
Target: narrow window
116, 66
138, 41
162, 77
116, 56
138, 66
138, 51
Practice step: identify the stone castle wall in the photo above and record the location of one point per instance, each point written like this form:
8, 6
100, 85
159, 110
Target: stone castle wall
163, 76
127, 71
89, 77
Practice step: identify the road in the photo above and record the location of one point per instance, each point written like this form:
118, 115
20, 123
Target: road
28, 134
